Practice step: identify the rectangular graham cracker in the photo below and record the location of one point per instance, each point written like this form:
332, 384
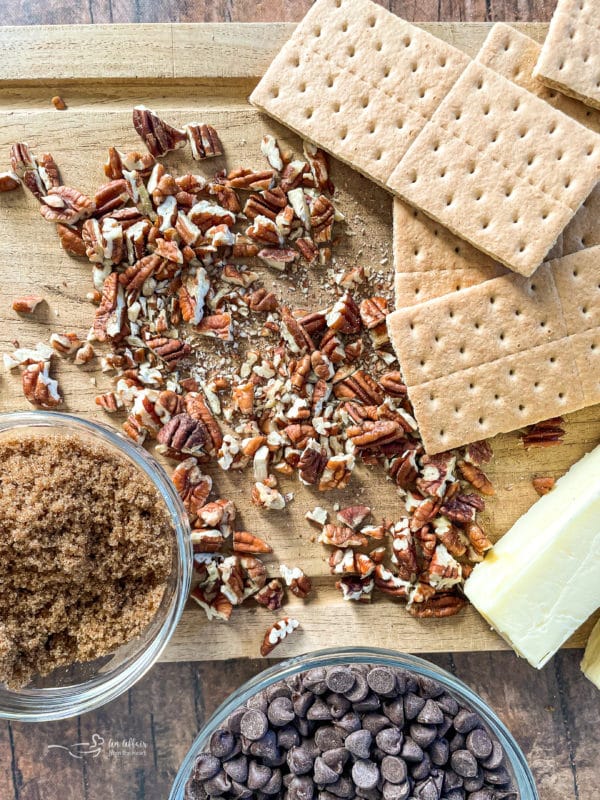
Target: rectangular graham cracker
570, 57
359, 82
500, 168
429, 260
504, 354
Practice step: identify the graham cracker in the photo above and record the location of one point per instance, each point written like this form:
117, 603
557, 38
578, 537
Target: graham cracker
570, 57
504, 354
500, 168
359, 82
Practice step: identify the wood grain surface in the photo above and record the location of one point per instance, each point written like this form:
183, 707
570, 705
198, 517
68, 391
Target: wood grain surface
93, 121
554, 714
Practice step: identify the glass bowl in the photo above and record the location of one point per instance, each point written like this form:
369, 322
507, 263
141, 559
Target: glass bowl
514, 759
68, 691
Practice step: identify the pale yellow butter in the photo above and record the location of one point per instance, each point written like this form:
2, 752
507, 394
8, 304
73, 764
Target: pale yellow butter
591, 658
542, 579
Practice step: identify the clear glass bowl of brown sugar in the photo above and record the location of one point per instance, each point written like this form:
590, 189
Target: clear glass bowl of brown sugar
368, 744
96, 570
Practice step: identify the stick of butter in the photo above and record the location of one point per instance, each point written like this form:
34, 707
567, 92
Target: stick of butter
542, 579
591, 658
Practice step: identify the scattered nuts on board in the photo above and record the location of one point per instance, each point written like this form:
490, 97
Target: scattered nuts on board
85, 554
359, 730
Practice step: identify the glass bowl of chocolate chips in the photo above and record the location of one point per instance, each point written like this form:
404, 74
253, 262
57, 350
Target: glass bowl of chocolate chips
350, 723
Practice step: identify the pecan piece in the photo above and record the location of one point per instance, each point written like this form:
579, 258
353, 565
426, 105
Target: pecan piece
204, 140
463, 508
374, 434
65, 344
271, 595
157, 135
110, 315
214, 603
479, 541
342, 536
192, 486
39, 388
544, 434
58, 103
356, 588
171, 351
246, 542
296, 580
353, 516
344, 316
67, 205
440, 605
277, 257
319, 166
276, 633
478, 453
9, 181
262, 301
70, 240
393, 384
359, 384
217, 326
389, 583
183, 434
308, 249
312, 463
270, 150
111, 196
198, 410
476, 477
27, 304
543, 485
294, 333
373, 311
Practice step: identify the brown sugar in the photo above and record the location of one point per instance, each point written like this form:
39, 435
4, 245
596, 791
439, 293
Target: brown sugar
86, 548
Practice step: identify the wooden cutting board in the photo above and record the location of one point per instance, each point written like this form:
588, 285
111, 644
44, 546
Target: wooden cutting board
192, 72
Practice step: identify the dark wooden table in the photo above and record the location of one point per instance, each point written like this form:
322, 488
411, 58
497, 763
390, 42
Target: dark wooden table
554, 714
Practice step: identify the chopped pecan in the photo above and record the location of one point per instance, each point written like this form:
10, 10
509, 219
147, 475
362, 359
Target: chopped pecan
218, 514
271, 152
171, 351
65, 344
27, 304
344, 316
265, 231
293, 175
342, 536
110, 315
444, 604
353, 516
277, 257
479, 541
322, 217
183, 434
307, 248
214, 603
198, 410
192, 485
246, 542
218, 326
462, 508
276, 633
544, 434
70, 240
247, 179
157, 135
337, 472
267, 204
393, 384
349, 562
294, 333
39, 388
262, 301
373, 311
111, 196
436, 473
423, 511
374, 434
206, 540
312, 463
204, 140
321, 365
296, 580
389, 583
67, 205
299, 434
543, 485
476, 477
267, 497
450, 537
319, 165
361, 385
84, 355
9, 181
58, 103
478, 453
404, 552
403, 469
238, 277
356, 588
271, 595
108, 402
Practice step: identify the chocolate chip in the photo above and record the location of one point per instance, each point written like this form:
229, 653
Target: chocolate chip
280, 711
328, 738
301, 702
495, 758
475, 783
349, 723
483, 794
392, 791
277, 690
389, 740
336, 759
258, 775
359, 743
254, 724
338, 705
429, 687
259, 702
374, 723
240, 792
497, 777
464, 763
479, 743
465, 721
455, 794
300, 761
439, 752
382, 681
288, 737
322, 773
430, 714
266, 746
393, 769
457, 742
421, 770
423, 735
301, 787
206, 767
235, 718
359, 690
222, 743
343, 787
218, 784
370, 703
445, 726
340, 679
237, 768
426, 790
314, 680
394, 711
451, 780
365, 774
273, 785
411, 750
448, 704
319, 711
412, 705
